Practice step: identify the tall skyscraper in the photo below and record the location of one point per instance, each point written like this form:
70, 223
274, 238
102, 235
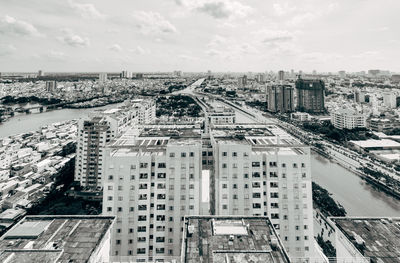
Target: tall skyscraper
40, 73
280, 98
310, 95
359, 96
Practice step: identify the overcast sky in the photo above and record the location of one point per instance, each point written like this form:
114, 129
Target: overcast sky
199, 35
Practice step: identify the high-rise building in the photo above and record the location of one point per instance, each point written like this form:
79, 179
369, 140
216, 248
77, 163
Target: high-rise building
261, 77
261, 170
126, 74
281, 75
40, 73
51, 85
389, 99
359, 96
347, 119
280, 98
152, 181
342, 73
310, 95
242, 81
97, 130
102, 77
374, 72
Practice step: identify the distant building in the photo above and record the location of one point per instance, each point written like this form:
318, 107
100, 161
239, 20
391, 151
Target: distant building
261, 78
347, 119
395, 78
281, 75
389, 99
374, 72
342, 73
178, 73
300, 116
126, 74
139, 75
382, 125
221, 115
58, 239
310, 95
102, 77
359, 96
280, 98
51, 86
231, 239
40, 73
363, 239
242, 81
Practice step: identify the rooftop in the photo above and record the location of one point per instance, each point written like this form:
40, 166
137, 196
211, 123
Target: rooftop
376, 238
54, 238
372, 143
231, 239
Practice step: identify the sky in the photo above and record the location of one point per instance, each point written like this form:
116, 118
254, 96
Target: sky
199, 35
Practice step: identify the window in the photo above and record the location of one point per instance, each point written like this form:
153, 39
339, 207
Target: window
224, 186
224, 206
109, 209
274, 195
256, 174
225, 154
141, 251
256, 195
118, 241
162, 165
234, 154
172, 155
160, 239
183, 154
224, 165
255, 164
256, 205
141, 229
191, 154
110, 177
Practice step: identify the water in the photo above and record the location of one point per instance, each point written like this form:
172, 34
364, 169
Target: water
357, 196
30, 122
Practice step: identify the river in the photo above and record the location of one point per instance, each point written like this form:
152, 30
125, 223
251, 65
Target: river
23, 123
357, 196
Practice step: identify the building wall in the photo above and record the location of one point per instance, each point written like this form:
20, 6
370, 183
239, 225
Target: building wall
249, 182
153, 202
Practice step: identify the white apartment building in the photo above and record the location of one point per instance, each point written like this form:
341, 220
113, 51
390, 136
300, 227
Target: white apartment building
97, 130
145, 108
262, 171
152, 181
389, 99
347, 119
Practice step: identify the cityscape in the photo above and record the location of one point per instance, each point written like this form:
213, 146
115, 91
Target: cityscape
199, 131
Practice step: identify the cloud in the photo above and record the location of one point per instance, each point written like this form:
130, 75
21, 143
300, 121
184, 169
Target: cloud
74, 40
139, 50
152, 23
188, 57
7, 49
88, 11
268, 36
283, 8
216, 41
368, 55
10, 25
55, 55
320, 57
116, 48
219, 9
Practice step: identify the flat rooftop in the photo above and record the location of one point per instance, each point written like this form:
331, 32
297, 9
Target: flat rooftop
54, 238
220, 239
158, 136
377, 238
372, 143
